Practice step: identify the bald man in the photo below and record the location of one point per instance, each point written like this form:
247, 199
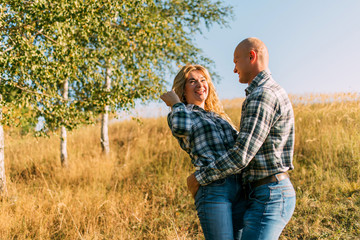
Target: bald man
263, 152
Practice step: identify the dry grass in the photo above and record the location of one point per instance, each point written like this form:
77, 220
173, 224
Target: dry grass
139, 191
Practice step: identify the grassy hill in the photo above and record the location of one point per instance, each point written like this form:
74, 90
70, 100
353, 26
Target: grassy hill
139, 192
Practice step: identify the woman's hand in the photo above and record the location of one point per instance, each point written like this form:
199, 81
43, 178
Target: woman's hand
192, 184
170, 98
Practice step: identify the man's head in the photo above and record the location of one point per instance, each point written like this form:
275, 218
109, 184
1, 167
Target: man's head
250, 58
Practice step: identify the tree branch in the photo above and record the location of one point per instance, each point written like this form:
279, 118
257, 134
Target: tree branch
34, 92
9, 49
46, 36
17, 27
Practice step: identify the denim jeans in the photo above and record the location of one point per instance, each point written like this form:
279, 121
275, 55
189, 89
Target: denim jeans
220, 207
269, 209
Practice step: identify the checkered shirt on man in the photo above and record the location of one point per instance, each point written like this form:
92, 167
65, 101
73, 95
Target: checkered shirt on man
265, 143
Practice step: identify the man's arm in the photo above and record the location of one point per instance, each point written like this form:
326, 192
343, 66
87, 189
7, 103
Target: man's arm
256, 123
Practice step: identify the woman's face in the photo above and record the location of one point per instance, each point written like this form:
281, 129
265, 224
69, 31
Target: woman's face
196, 88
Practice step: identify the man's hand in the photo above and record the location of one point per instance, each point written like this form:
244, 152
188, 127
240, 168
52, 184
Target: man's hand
193, 184
170, 98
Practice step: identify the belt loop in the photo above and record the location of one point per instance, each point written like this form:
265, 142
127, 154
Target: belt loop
277, 179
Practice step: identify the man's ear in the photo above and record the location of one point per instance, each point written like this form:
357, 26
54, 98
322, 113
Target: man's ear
253, 56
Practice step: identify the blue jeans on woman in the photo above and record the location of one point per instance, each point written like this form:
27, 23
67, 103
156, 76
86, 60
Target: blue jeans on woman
220, 207
269, 208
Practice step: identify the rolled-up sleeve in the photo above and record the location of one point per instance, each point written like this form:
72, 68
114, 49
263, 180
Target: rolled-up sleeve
179, 120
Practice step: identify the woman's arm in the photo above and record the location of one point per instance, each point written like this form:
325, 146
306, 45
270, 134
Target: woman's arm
179, 118
170, 98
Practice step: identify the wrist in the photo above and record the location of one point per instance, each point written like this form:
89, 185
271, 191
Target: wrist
177, 104
197, 177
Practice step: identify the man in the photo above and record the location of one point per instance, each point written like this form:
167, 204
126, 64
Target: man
263, 151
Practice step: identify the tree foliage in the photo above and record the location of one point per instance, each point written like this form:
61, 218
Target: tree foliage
43, 43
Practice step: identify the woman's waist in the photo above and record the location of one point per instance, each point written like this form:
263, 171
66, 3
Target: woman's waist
237, 176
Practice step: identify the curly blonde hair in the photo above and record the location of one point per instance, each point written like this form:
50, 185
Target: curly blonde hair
212, 102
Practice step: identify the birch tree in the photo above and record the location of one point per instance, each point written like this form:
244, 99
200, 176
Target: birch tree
36, 56
129, 47
3, 187
105, 117
144, 40
63, 137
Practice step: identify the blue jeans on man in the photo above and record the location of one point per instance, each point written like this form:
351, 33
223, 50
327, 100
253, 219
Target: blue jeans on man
268, 210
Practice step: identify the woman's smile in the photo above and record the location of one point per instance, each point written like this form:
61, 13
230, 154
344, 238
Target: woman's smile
196, 89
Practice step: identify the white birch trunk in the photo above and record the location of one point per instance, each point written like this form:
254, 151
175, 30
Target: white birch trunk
105, 145
3, 188
63, 150
63, 138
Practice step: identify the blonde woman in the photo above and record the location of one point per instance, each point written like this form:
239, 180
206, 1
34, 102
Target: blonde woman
205, 132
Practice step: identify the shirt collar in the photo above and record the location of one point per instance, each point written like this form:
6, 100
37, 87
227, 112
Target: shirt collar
258, 80
195, 107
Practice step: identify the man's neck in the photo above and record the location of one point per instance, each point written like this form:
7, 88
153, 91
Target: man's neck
255, 73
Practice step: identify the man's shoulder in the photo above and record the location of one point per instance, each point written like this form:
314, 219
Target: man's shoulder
263, 91
271, 94
269, 88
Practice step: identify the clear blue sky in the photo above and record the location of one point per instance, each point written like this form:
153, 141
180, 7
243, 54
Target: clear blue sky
314, 45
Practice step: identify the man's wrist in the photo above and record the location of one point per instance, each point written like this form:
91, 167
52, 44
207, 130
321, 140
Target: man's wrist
198, 177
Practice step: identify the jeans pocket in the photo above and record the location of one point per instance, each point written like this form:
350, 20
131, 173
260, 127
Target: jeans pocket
218, 182
289, 202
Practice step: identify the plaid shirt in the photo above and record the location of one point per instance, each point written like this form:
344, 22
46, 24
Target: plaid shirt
265, 143
205, 136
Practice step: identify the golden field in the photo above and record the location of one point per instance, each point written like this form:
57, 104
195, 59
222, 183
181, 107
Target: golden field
139, 191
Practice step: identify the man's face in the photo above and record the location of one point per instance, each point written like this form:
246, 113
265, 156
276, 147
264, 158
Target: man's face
242, 65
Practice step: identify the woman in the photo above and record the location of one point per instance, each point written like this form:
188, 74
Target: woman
205, 132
